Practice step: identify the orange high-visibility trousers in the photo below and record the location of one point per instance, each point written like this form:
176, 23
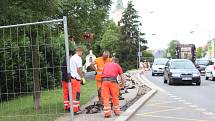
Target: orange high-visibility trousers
110, 88
76, 86
65, 95
99, 85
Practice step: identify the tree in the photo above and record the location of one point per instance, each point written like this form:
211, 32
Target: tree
86, 16
83, 16
199, 52
147, 54
130, 37
22, 11
172, 48
110, 38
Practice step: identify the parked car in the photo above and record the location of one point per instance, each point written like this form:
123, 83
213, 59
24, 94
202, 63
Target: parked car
210, 72
202, 64
181, 71
158, 66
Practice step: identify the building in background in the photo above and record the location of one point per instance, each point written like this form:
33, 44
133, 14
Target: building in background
117, 12
211, 49
159, 53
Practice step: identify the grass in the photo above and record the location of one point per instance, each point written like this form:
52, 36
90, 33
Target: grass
20, 109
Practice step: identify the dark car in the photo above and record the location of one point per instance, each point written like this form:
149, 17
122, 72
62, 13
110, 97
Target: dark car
181, 71
202, 64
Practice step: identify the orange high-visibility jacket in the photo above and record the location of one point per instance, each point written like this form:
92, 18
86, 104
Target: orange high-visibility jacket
100, 65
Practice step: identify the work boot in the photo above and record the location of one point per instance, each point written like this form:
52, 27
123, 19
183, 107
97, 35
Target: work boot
67, 110
121, 98
107, 116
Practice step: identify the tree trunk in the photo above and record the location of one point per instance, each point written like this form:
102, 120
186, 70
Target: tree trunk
36, 79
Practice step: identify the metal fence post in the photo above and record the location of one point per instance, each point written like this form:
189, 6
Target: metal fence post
68, 65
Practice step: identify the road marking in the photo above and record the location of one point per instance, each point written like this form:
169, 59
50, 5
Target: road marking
169, 94
164, 106
193, 106
173, 96
171, 117
187, 103
168, 102
177, 98
181, 100
159, 111
200, 109
209, 113
212, 85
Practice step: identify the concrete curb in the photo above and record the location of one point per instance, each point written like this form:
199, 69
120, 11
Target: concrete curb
131, 110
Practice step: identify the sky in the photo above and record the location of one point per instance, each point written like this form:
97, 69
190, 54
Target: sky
189, 21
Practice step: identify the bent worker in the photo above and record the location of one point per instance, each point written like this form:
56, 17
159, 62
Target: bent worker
110, 86
77, 78
99, 63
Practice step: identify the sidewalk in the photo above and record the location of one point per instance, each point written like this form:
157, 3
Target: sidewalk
99, 116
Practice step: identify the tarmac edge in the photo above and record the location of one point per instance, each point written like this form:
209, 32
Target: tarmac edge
125, 116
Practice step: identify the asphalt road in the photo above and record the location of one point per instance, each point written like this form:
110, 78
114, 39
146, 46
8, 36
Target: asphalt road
178, 102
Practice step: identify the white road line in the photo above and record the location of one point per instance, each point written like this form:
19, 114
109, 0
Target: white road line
193, 106
200, 109
187, 103
213, 85
177, 98
209, 113
181, 101
169, 94
173, 96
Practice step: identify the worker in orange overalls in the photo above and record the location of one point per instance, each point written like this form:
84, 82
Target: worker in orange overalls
110, 87
99, 63
65, 77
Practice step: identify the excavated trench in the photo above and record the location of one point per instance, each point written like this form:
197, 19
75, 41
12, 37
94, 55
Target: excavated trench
130, 84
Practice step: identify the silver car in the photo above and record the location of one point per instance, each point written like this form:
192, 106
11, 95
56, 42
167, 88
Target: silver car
158, 66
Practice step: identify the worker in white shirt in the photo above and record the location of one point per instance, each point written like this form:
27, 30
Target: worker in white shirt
77, 78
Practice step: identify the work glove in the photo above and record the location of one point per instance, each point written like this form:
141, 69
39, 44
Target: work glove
83, 81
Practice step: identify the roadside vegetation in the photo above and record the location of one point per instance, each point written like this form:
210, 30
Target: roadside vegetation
20, 109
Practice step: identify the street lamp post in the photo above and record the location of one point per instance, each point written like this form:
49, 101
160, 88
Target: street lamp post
139, 53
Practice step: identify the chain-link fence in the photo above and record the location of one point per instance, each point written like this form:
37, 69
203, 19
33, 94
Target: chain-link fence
31, 57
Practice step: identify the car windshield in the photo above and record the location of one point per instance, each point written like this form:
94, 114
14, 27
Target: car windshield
202, 62
160, 62
182, 65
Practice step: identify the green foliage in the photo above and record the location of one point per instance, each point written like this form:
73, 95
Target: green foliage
51, 103
147, 54
110, 38
199, 52
83, 16
130, 36
172, 48
86, 16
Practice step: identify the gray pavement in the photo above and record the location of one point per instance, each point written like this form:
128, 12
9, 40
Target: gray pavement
178, 103
99, 116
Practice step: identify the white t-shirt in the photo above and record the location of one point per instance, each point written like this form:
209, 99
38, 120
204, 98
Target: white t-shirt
75, 62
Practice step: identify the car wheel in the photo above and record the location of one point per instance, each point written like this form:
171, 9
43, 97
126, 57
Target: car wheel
198, 83
170, 82
164, 80
213, 78
153, 74
206, 78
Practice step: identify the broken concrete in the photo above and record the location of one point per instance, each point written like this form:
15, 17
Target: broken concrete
135, 90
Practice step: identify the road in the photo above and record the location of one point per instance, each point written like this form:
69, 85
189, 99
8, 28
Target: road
178, 102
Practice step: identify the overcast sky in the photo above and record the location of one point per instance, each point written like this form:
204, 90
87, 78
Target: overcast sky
189, 21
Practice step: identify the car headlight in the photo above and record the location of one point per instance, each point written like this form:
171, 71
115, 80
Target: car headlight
196, 74
176, 75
